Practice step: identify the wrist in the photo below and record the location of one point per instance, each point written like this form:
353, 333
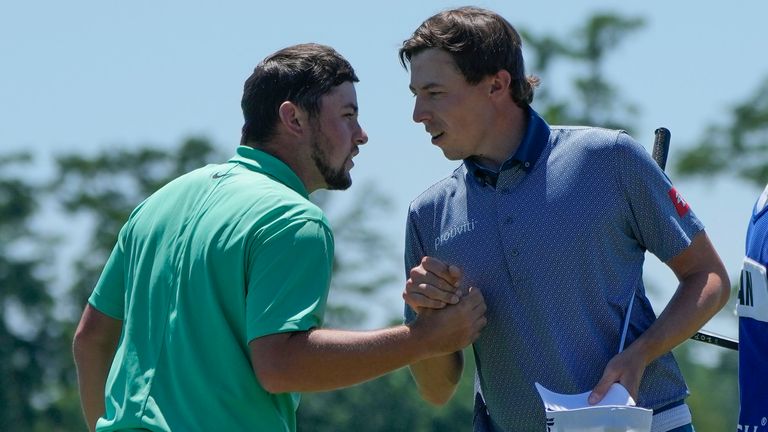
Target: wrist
419, 335
641, 349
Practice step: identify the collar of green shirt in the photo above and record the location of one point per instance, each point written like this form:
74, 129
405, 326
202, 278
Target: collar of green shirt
263, 162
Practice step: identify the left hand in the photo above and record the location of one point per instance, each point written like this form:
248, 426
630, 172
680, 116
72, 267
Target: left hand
432, 285
624, 368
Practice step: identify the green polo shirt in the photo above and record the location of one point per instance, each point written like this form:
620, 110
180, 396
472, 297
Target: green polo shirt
218, 257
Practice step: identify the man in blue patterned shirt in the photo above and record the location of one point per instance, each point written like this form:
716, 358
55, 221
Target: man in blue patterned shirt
551, 224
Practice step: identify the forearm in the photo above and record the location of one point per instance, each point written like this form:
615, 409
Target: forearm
703, 290
437, 377
698, 298
92, 370
93, 348
322, 359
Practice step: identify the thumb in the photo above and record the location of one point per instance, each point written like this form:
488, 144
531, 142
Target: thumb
601, 388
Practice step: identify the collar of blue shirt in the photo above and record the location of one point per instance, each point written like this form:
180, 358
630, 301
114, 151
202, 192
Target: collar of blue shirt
535, 139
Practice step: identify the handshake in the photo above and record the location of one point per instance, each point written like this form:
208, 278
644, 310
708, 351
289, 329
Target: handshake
449, 316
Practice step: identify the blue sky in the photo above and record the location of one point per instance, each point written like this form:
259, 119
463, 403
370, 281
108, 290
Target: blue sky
87, 75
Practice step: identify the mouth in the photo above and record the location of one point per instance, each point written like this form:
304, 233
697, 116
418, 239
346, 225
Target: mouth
350, 162
436, 136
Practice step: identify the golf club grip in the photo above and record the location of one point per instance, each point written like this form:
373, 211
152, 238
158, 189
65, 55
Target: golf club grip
661, 146
714, 339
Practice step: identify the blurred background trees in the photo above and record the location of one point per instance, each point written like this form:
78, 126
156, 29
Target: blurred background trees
45, 281
737, 147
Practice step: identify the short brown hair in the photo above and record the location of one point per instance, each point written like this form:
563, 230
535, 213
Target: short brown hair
481, 43
302, 74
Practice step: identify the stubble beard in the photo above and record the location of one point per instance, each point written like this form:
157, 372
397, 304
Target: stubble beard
335, 178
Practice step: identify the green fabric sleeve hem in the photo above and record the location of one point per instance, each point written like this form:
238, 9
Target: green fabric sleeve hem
290, 326
94, 301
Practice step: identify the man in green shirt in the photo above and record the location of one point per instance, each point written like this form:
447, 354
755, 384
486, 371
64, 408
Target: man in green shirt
208, 314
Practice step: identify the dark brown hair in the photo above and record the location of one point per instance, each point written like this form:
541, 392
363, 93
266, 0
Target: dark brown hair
481, 43
301, 74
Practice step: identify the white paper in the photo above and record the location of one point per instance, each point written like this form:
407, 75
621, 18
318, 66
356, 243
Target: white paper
617, 395
616, 412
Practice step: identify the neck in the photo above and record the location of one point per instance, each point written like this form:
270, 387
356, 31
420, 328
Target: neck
506, 135
292, 154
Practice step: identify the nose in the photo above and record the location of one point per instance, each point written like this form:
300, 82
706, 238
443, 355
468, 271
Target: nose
420, 112
361, 137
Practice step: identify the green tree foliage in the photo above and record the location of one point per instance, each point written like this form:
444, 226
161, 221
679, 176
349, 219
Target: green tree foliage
713, 384
389, 403
596, 101
739, 147
106, 187
365, 262
30, 339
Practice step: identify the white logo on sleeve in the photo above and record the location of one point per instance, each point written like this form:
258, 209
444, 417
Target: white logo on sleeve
753, 291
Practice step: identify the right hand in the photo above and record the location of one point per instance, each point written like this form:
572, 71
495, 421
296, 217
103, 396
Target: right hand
453, 327
432, 285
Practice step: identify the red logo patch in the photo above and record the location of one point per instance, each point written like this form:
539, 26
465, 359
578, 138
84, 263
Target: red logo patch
681, 205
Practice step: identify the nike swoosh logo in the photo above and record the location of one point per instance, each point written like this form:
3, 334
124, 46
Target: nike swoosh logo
218, 175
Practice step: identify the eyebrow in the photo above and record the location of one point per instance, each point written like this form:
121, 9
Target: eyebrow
427, 86
352, 106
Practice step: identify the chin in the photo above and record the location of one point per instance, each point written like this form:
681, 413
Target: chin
339, 183
453, 156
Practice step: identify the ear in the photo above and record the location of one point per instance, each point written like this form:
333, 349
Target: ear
292, 117
500, 83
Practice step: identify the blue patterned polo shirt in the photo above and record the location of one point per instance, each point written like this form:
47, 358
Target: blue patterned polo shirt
556, 243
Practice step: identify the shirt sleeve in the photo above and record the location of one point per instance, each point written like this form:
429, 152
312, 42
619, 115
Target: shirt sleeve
108, 297
414, 252
659, 217
288, 279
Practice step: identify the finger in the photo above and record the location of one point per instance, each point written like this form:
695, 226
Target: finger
432, 275
474, 297
438, 282
420, 275
431, 283
438, 293
455, 273
434, 264
481, 309
631, 387
475, 302
441, 270
417, 301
